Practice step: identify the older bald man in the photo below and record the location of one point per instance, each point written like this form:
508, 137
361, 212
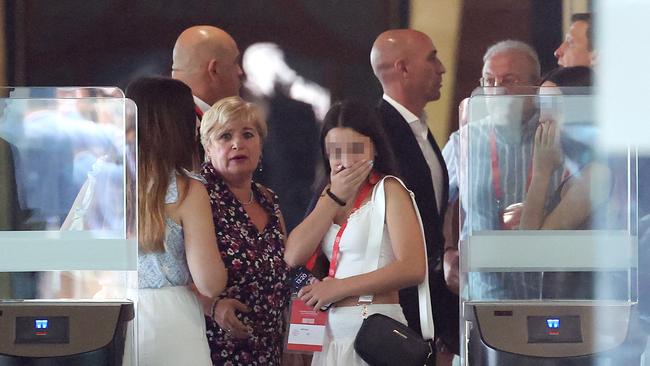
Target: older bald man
406, 63
206, 58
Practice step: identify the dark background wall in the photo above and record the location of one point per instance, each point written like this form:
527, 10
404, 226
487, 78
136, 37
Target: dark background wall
109, 42
72, 42
538, 23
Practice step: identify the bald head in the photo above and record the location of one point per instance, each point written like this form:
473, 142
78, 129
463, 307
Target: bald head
207, 59
406, 63
393, 45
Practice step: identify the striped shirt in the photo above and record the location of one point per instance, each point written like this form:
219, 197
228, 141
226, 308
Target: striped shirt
475, 185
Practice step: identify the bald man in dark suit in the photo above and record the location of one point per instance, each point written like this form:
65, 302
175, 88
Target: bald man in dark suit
406, 63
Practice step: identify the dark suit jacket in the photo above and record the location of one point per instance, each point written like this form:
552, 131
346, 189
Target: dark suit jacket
417, 175
290, 156
10, 213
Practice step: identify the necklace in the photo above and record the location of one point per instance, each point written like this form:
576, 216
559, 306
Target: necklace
250, 200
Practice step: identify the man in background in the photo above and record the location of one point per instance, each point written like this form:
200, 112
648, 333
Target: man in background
578, 46
406, 64
207, 59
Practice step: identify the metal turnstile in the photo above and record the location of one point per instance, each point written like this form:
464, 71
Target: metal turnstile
68, 233
560, 333
549, 242
49, 333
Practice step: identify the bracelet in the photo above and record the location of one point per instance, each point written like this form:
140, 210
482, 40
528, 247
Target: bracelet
339, 201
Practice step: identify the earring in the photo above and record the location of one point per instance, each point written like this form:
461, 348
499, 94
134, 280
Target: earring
259, 165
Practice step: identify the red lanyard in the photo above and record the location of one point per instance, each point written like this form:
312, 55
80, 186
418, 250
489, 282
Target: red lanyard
363, 193
198, 111
335, 250
496, 176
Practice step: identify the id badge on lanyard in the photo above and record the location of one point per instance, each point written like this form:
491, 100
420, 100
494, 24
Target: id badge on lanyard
306, 328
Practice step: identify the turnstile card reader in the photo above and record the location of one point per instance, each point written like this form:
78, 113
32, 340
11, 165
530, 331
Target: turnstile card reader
559, 333
63, 332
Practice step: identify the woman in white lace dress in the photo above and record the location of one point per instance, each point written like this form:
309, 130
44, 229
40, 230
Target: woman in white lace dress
175, 232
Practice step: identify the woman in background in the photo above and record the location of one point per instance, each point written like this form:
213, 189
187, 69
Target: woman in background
591, 194
584, 187
175, 232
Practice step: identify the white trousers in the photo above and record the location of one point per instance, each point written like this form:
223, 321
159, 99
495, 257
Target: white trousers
171, 328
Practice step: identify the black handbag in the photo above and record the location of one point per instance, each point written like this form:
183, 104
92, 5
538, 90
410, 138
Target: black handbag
383, 340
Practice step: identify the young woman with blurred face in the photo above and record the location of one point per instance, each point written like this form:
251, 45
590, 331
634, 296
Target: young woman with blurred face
357, 160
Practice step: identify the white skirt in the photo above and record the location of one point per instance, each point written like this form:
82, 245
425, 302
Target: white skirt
342, 327
171, 328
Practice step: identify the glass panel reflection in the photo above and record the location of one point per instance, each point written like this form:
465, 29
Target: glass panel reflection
67, 201
547, 214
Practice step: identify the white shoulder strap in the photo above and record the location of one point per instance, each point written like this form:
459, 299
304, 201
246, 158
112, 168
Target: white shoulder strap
424, 294
376, 231
375, 238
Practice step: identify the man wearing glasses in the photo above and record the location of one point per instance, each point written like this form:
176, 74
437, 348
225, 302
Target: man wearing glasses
501, 147
508, 67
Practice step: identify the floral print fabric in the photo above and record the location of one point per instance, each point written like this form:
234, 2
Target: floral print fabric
257, 276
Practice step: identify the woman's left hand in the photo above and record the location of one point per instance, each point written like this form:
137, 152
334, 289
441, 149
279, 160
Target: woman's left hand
321, 293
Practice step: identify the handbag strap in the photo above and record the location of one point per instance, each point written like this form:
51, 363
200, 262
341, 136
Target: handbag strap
376, 232
375, 238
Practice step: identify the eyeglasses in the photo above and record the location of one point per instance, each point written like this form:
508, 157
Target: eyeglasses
505, 81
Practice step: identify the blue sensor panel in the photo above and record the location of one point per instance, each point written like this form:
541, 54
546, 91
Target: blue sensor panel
42, 329
40, 323
553, 323
554, 329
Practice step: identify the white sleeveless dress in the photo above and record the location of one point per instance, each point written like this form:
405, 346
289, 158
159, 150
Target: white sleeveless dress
343, 323
170, 322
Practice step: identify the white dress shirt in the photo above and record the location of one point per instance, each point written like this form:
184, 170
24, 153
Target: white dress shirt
420, 129
203, 106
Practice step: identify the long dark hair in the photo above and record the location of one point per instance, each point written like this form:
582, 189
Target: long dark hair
166, 143
364, 120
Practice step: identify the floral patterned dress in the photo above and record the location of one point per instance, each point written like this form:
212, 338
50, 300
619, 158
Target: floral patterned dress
257, 276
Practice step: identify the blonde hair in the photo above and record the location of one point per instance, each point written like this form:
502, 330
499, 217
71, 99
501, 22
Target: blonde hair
224, 111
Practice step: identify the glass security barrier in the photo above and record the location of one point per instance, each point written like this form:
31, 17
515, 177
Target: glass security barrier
67, 203
529, 218
548, 229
